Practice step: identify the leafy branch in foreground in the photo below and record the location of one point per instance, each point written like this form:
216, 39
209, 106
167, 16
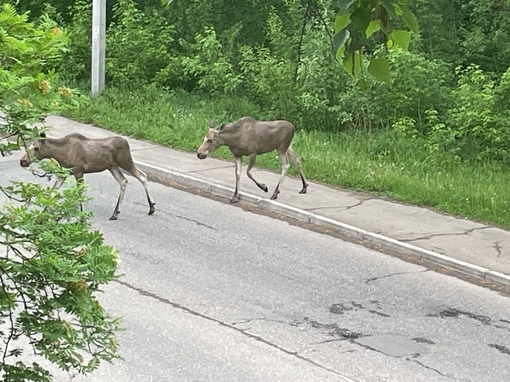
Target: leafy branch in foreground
51, 270
52, 264
357, 20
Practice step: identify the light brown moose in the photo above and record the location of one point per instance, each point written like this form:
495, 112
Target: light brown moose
83, 156
250, 137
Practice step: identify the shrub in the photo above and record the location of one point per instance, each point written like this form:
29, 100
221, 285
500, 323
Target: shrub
208, 65
137, 45
477, 116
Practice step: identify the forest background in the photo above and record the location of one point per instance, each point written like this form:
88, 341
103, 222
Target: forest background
437, 136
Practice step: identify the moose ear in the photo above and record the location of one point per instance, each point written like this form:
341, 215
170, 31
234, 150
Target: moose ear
221, 127
211, 123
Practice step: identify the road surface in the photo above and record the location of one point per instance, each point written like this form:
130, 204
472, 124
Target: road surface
211, 292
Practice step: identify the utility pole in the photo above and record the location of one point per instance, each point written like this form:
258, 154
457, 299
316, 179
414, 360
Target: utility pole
98, 46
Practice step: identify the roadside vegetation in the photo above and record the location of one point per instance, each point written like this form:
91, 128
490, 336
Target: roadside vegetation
385, 162
438, 135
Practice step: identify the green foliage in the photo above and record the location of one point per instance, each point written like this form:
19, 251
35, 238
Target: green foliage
475, 28
138, 44
52, 263
173, 118
28, 84
268, 80
207, 64
418, 85
483, 132
51, 270
75, 63
357, 20
321, 86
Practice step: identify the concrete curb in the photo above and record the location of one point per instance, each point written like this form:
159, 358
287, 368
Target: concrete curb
355, 234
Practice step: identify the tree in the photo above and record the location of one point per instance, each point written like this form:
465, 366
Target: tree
51, 263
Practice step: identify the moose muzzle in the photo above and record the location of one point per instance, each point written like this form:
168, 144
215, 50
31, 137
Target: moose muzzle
25, 161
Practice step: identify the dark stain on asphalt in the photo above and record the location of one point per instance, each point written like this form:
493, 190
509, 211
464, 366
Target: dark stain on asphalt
378, 313
341, 308
421, 340
454, 313
334, 330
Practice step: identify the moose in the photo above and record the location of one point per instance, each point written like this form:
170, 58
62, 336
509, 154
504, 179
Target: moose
83, 156
250, 137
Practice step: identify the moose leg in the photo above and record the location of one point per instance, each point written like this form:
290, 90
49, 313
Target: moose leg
121, 179
142, 177
239, 164
285, 168
251, 163
297, 162
79, 179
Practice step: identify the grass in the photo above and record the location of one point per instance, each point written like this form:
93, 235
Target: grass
381, 162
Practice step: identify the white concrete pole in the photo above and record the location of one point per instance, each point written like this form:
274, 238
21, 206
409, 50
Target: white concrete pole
98, 46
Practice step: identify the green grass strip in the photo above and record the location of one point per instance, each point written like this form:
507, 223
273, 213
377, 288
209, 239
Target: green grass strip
381, 162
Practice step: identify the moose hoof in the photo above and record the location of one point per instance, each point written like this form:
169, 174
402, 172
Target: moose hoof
234, 199
113, 217
264, 188
274, 196
152, 210
303, 191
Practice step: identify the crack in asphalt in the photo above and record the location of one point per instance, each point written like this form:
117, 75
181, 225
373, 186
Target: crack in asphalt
196, 222
230, 326
199, 223
212, 168
432, 369
432, 235
250, 320
501, 348
344, 208
392, 275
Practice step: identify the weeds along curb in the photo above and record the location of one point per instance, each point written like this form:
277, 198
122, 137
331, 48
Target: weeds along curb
351, 233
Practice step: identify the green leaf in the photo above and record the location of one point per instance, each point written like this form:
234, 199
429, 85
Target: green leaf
363, 85
373, 26
344, 5
352, 63
380, 69
361, 18
342, 21
340, 39
388, 5
400, 38
410, 19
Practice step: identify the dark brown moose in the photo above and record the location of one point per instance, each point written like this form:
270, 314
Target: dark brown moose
83, 156
248, 136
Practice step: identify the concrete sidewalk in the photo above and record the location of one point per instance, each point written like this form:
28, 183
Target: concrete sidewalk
476, 250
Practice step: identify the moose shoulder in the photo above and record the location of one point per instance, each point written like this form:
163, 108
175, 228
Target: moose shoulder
249, 137
83, 156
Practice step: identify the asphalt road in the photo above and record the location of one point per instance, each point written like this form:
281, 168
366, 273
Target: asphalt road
215, 293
